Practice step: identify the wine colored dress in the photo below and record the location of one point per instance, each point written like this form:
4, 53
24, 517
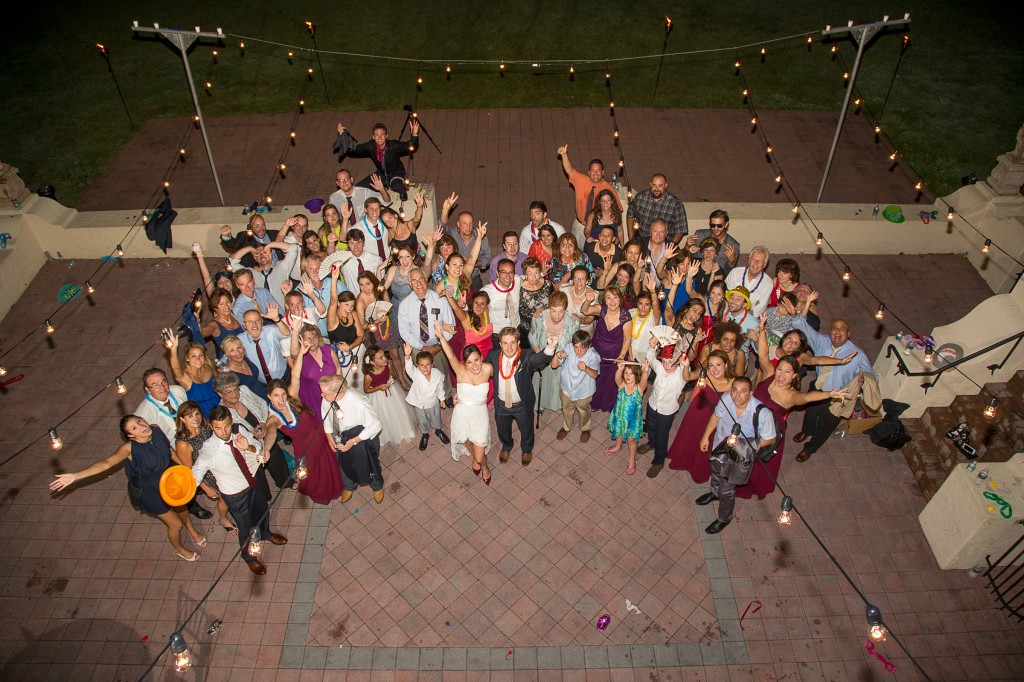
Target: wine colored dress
685, 453
323, 483
309, 381
608, 344
761, 484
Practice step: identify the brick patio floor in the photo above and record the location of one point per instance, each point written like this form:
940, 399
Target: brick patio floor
448, 576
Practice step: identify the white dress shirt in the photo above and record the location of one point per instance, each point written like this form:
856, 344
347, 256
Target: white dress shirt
355, 411
760, 288
503, 310
367, 228
507, 366
215, 456
667, 387
424, 393
270, 344
157, 413
409, 318
359, 197
350, 270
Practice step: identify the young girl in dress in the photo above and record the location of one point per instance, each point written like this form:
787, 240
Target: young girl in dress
626, 419
387, 398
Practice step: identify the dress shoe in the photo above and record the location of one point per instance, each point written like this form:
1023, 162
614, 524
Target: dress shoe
503, 456
585, 436
277, 539
562, 433
257, 567
443, 437
449, 402
644, 449
378, 496
803, 456
655, 470
423, 441
715, 527
706, 498
198, 512
800, 437
527, 458
346, 495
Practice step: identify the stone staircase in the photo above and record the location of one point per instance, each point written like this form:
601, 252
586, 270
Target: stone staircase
931, 456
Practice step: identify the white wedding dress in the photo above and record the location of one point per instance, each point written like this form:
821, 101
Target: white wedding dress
470, 420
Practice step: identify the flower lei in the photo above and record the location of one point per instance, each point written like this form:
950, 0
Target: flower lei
501, 365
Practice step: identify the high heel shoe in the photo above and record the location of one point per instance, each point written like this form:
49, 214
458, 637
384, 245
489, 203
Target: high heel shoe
487, 481
476, 472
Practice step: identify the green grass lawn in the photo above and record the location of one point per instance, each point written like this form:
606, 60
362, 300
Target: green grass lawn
956, 104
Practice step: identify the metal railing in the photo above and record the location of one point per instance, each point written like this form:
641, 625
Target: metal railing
1007, 579
942, 365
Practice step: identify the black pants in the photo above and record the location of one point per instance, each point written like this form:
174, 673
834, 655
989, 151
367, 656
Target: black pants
395, 184
277, 465
246, 508
522, 415
819, 423
658, 427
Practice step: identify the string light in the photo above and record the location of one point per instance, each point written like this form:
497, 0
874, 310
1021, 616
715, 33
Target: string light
302, 102
763, 51
290, 54
447, 68
878, 130
856, 102
892, 157
167, 183
3, 371
876, 631
929, 354
269, 199
215, 53
990, 411
918, 187
121, 388
702, 378
768, 149
208, 85
309, 70
182, 657
55, 442
195, 118
880, 313
786, 518
810, 40
746, 93
241, 45
796, 207
847, 274
301, 472
984, 247
834, 49
616, 134
501, 66
255, 547
419, 80
168, 342
49, 327
280, 165
181, 151
607, 75
846, 75
753, 121
819, 239
621, 163
611, 105
778, 178
572, 69
951, 213
119, 250
734, 436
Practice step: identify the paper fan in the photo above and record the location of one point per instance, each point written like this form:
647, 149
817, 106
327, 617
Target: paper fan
338, 258
377, 311
665, 334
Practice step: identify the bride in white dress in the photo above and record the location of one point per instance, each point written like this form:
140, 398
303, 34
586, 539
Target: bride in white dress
471, 423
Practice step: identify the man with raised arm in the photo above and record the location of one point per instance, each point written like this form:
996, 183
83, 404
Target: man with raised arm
586, 187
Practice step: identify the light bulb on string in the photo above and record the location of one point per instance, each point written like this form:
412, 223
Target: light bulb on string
990, 410
291, 134
501, 67
876, 629
778, 178
447, 68
611, 104
856, 102
195, 118
835, 49
167, 183
255, 546
819, 239
746, 93
214, 53
301, 470
168, 342
810, 40
208, 85
607, 75
702, 378
734, 436
241, 45
847, 274
3, 371
290, 54
846, 75
786, 518
796, 207
572, 69
302, 102
763, 52
621, 163
753, 120
737, 65
878, 130
181, 152
768, 149
892, 157
984, 247
55, 442
182, 657
89, 288
880, 313
929, 354
616, 134
309, 70
268, 199
951, 213
119, 384
918, 186
119, 250
280, 165
49, 327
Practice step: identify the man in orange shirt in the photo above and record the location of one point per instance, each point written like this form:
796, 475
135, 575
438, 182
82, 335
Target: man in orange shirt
586, 186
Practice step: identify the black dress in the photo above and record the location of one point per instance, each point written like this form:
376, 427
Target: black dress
147, 463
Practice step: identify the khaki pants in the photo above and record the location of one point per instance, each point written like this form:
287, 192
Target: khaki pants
571, 407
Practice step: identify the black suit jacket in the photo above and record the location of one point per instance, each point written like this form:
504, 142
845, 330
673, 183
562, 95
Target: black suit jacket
529, 362
242, 239
394, 150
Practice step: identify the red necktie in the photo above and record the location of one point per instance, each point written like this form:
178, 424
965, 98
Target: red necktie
263, 363
590, 204
359, 262
240, 461
352, 212
380, 241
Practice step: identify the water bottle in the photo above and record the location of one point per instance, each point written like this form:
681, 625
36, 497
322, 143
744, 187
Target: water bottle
899, 336
971, 466
982, 475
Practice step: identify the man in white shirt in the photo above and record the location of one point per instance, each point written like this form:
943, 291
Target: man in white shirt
669, 382
538, 217
361, 260
426, 395
232, 454
417, 314
353, 196
267, 274
758, 283
354, 429
375, 232
160, 407
503, 309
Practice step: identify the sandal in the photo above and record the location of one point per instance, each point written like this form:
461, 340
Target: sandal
230, 530
201, 543
630, 471
195, 556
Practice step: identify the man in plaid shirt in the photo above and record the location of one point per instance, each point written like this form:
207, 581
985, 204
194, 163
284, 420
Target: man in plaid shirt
651, 204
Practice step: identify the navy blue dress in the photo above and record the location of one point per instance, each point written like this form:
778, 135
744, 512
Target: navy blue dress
252, 380
148, 462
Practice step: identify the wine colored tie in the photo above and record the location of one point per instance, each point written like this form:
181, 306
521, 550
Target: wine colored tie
352, 212
424, 329
263, 363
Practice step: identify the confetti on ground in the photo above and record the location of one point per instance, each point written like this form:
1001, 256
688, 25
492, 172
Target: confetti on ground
356, 510
603, 621
509, 653
214, 626
145, 638
751, 612
447, 623
630, 606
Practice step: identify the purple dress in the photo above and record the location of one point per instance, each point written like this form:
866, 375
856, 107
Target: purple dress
608, 344
761, 484
309, 381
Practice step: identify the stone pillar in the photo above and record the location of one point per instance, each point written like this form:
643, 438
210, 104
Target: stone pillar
12, 188
1008, 175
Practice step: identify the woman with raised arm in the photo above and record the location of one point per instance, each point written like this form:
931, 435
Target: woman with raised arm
611, 341
220, 280
455, 283
345, 328
312, 359
224, 323
242, 367
403, 232
196, 376
632, 254
727, 338
146, 456
471, 424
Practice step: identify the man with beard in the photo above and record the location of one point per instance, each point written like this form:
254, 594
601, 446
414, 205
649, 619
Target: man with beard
651, 204
354, 197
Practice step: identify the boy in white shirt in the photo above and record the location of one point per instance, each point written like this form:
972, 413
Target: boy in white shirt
426, 394
671, 376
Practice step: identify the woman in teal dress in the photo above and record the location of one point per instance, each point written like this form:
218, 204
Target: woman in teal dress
626, 419
553, 322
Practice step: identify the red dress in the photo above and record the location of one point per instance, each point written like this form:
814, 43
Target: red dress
761, 484
685, 453
323, 483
